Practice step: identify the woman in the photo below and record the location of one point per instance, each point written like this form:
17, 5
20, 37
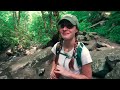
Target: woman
64, 64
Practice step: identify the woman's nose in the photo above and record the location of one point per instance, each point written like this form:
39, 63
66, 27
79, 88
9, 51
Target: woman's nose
65, 28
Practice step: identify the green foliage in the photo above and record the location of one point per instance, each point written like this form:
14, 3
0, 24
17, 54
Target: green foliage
45, 40
84, 24
37, 28
4, 43
95, 16
101, 30
110, 29
114, 18
83, 17
5, 31
31, 27
115, 34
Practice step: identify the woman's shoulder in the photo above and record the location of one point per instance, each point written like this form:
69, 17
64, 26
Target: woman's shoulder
81, 44
56, 44
84, 48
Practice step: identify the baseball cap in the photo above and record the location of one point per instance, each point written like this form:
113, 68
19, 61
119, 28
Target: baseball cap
73, 19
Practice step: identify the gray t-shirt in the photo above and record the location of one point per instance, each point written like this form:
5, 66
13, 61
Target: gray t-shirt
64, 61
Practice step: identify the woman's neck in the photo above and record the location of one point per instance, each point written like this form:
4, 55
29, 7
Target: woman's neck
69, 44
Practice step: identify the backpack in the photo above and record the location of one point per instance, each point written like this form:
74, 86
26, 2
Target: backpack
79, 50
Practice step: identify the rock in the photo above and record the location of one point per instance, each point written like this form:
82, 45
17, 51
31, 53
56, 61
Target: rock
96, 37
47, 67
109, 46
25, 73
115, 73
102, 49
41, 71
80, 33
31, 51
112, 60
3, 77
91, 36
9, 52
4, 65
37, 65
84, 33
36, 58
85, 42
80, 37
92, 33
100, 44
26, 67
3, 56
86, 38
92, 46
100, 67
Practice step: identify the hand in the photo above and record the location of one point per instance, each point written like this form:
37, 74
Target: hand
61, 70
53, 75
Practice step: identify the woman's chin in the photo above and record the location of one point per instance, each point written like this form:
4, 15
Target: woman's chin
66, 38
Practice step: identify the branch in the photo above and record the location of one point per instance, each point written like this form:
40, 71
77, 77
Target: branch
100, 22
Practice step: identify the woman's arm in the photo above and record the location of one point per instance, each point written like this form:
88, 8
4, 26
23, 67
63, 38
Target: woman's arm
52, 74
53, 63
86, 72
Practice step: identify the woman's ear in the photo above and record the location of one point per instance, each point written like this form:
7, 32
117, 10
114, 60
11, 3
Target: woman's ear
77, 30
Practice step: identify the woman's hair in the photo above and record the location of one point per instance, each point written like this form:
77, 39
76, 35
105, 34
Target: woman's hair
71, 63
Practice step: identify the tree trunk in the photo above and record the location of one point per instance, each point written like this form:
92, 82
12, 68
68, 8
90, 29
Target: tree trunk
15, 22
44, 22
50, 18
56, 15
18, 21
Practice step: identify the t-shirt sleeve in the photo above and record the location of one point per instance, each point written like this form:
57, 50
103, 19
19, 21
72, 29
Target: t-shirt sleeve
54, 48
85, 56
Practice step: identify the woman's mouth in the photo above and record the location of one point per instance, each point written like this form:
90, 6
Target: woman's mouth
65, 33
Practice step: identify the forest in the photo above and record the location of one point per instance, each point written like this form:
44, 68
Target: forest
38, 27
26, 39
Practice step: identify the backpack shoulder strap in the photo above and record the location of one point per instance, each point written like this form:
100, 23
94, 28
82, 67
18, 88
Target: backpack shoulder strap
57, 48
79, 50
57, 52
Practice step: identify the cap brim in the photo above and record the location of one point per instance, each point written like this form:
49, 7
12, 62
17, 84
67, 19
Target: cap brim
70, 20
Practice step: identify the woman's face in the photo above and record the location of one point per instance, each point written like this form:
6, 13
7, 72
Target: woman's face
67, 30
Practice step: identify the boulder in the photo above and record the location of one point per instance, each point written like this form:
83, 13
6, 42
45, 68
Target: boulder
112, 60
100, 66
27, 67
115, 73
